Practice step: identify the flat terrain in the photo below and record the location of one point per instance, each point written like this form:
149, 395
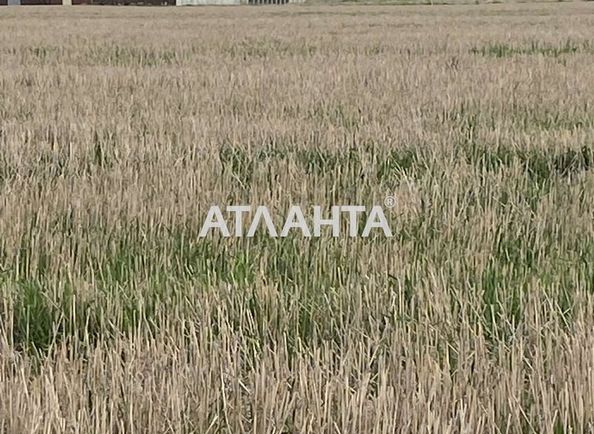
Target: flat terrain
120, 127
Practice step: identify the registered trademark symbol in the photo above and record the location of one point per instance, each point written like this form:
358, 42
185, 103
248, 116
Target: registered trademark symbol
390, 201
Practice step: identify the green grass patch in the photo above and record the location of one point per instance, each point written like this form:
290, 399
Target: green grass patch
502, 50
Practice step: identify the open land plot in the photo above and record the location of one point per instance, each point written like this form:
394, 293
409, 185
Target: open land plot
119, 127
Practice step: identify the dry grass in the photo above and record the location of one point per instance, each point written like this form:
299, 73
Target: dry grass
120, 126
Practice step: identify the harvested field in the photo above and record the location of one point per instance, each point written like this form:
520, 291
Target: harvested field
120, 127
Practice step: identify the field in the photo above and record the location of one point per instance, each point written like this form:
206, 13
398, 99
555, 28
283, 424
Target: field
120, 127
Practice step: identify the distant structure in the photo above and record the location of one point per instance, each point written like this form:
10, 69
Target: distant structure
234, 2
146, 2
31, 2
